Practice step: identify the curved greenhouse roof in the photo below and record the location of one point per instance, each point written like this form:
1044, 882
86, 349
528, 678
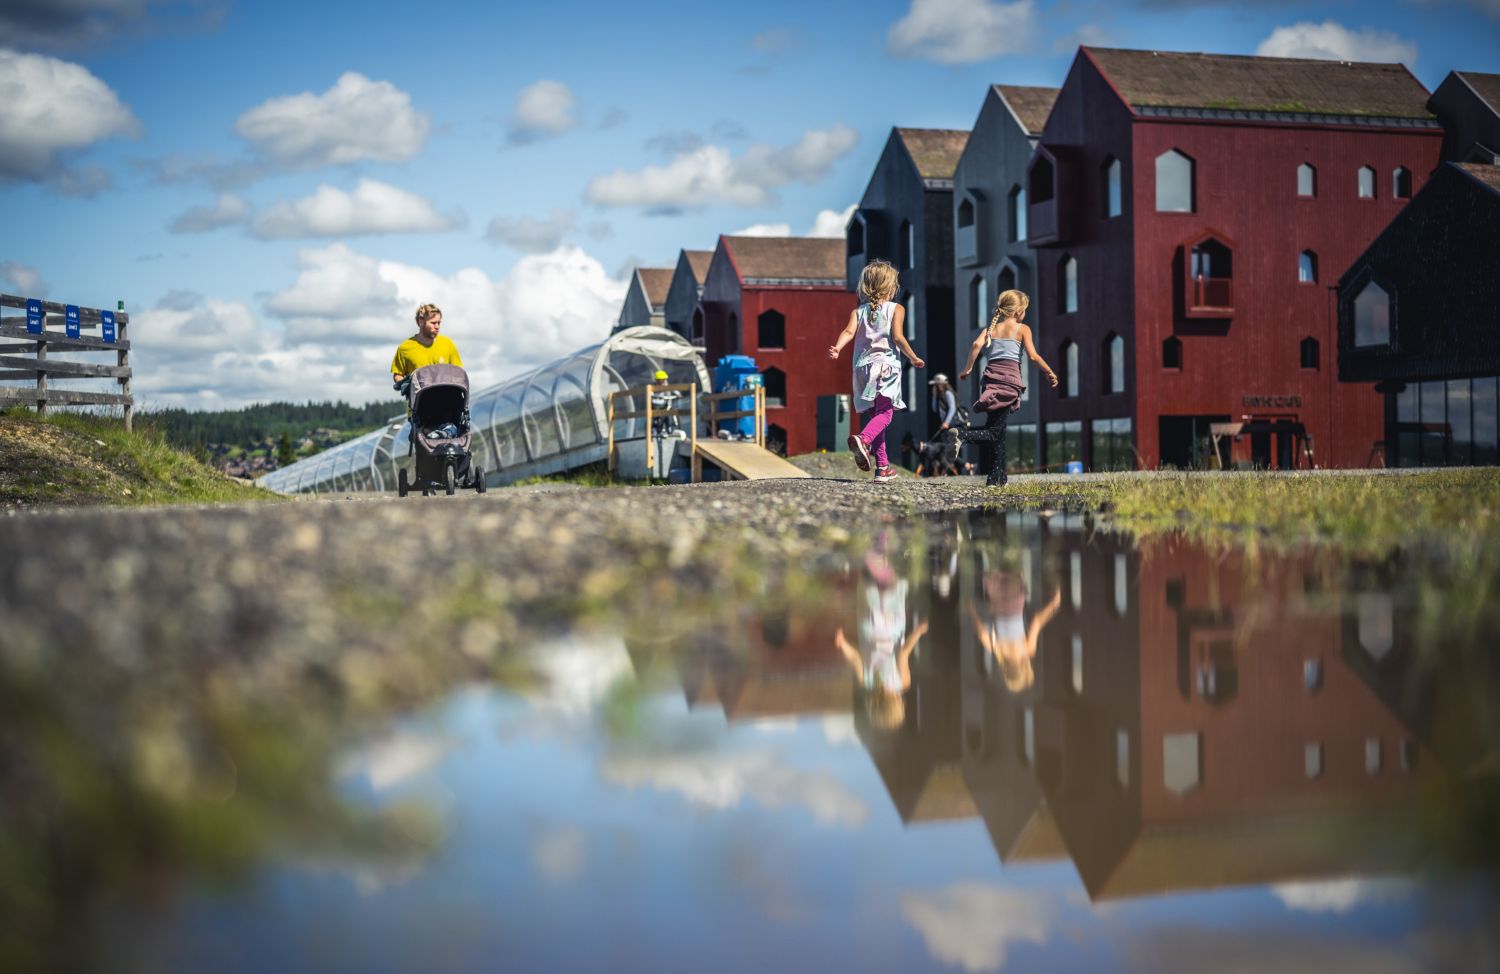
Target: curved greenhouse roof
551, 419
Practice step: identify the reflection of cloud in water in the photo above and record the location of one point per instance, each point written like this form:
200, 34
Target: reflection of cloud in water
722, 781
578, 672
839, 730
1340, 895
559, 853
774, 725
395, 759
972, 924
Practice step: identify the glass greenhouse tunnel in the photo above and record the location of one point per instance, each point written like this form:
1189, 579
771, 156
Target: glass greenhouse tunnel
551, 419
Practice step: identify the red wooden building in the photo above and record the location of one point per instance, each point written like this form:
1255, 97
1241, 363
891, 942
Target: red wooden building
1191, 212
781, 300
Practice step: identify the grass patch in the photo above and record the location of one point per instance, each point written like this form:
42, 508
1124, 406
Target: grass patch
76, 459
1370, 513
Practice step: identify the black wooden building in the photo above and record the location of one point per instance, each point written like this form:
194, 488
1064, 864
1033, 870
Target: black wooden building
1468, 105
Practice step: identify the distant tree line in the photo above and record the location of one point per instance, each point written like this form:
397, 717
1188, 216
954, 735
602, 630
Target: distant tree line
276, 421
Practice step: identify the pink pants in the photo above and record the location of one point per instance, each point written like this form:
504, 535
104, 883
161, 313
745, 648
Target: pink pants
872, 424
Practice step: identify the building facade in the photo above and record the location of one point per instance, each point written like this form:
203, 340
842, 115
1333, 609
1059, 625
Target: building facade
1189, 213
1468, 105
781, 300
684, 293
906, 217
990, 251
645, 298
1419, 321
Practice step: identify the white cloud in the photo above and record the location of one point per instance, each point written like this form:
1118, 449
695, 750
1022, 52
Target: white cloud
1339, 895
1332, 41
828, 223
709, 174
559, 853
722, 781
763, 230
962, 31
972, 924
226, 211
542, 110
395, 760
354, 121
373, 207
47, 107
22, 280
838, 730
530, 235
330, 334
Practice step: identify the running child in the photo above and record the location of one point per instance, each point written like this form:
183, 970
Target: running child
875, 327
1002, 342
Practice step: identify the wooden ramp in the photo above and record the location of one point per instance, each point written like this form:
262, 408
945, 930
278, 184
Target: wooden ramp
743, 461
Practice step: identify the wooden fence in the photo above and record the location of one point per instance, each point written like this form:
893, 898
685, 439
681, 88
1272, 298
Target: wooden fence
23, 354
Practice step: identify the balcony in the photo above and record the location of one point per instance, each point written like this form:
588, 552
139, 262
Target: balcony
966, 246
1042, 224
1211, 297
1209, 280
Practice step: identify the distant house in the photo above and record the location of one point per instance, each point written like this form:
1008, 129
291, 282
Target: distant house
1419, 315
646, 298
685, 291
1468, 105
990, 251
782, 301
906, 217
1189, 212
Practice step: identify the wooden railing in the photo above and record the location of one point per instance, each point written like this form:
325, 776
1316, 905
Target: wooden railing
1210, 294
26, 339
711, 415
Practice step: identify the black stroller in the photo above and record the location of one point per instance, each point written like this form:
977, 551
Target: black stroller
438, 401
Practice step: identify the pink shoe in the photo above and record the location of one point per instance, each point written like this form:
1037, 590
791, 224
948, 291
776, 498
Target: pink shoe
860, 451
885, 475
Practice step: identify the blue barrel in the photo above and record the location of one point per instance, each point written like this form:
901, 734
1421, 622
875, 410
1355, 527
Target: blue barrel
736, 372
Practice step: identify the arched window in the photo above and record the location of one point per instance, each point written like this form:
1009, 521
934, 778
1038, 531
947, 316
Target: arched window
1401, 183
1366, 183
979, 296
770, 330
1307, 180
1067, 283
774, 381
904, 248
855, 237
966, 213
1017, 214
1114, 363
1174, 182
1310, 353
1372, 316
1007, 280
1171, 353
1307, 267
697, 335
1112, 188
1067, 357
1042, 182
1210, 284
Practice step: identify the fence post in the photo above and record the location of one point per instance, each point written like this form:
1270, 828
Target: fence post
122, 359
41, 374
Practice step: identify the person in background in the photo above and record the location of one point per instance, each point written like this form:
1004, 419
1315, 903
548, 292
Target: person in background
1002, 342
426, 347
875, 327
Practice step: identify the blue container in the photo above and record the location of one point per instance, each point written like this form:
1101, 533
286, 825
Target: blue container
1073, 466
736, 372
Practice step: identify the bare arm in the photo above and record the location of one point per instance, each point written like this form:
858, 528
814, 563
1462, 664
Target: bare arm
898, 332
1031, 354
903, 655
974, 351
846, 336
981, 630
850, 653
1042, 618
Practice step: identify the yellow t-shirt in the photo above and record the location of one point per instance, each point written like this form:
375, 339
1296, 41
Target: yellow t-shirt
412, 355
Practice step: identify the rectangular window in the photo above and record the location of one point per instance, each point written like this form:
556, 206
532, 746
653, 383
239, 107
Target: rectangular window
910, 331
1064, 443
1408, 440
1366, 183
1025, 377
1110, 443
1112, 188
1070, 285
1486, 450
1020, 448
1460, 422
1434, 423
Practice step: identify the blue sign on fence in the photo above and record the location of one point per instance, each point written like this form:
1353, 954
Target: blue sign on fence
70, 318
34, 316
107, 321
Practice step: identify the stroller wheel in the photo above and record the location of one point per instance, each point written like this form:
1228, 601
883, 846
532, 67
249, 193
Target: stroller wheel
402, 484
479, 479
449, 480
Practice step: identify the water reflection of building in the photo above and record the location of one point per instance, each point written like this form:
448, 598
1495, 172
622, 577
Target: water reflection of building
771, 664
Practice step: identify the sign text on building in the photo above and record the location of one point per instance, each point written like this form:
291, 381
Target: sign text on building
1272, 402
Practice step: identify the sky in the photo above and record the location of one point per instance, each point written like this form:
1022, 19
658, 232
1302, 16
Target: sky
272, 188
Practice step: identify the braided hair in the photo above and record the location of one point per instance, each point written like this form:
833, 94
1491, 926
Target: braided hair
877, 284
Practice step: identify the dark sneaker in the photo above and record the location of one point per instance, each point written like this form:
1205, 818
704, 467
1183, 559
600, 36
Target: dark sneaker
996, 481
885, 475
860, 451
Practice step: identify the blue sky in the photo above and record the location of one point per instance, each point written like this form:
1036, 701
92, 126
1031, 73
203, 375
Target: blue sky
273, 187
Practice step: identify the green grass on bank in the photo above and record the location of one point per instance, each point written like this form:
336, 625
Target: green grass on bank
1371, 512
76, 459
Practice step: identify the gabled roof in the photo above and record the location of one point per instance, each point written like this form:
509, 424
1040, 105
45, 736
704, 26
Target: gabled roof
699, 260
1486, 175
1486, 86
811, 260
656, 281
1171, 80
1031, 106
935, 151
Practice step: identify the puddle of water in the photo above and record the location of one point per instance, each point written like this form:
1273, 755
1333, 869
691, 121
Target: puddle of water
989, 742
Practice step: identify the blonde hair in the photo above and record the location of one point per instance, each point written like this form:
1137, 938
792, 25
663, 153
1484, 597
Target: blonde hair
887, 711
1010, 304
1017, 672
427, 311
877, 283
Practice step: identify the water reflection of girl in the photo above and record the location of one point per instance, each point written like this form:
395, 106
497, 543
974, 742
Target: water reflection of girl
882, 659
1005, 634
